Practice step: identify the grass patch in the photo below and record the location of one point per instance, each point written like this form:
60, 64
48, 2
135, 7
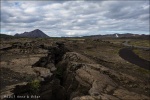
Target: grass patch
144, 43
143, 71
116, 41
142, 54
34, 86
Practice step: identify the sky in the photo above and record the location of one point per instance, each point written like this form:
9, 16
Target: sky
75, 18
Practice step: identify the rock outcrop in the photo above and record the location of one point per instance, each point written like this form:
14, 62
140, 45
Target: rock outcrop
83, 79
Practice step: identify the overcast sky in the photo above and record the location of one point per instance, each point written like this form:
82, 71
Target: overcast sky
75, 18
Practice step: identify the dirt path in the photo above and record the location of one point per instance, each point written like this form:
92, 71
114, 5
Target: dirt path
131, 57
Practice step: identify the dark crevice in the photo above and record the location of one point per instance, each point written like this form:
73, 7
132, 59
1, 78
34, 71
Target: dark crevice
7, 48
130, 56
54, 83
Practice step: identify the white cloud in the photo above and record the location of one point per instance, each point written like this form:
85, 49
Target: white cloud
75, 18
30, 10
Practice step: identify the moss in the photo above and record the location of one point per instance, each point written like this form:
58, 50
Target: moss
145, 43
143, 71
142, 54
34, 86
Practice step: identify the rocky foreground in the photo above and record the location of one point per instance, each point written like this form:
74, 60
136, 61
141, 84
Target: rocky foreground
71, 76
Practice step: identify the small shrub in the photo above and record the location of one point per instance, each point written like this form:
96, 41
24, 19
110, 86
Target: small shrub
34, 86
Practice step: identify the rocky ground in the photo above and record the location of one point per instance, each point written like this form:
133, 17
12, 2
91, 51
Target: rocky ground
83, 70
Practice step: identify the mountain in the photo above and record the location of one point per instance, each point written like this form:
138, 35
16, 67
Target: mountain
117, 35
33, 34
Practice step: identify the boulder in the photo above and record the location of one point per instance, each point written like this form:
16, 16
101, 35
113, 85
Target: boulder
42, 72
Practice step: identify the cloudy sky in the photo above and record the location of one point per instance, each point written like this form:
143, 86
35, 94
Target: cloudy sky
75, 18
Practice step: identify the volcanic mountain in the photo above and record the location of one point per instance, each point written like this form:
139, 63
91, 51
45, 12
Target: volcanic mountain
33, 34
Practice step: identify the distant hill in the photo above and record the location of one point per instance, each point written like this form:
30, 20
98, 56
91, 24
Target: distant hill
33, 34
117, 35
5, 36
